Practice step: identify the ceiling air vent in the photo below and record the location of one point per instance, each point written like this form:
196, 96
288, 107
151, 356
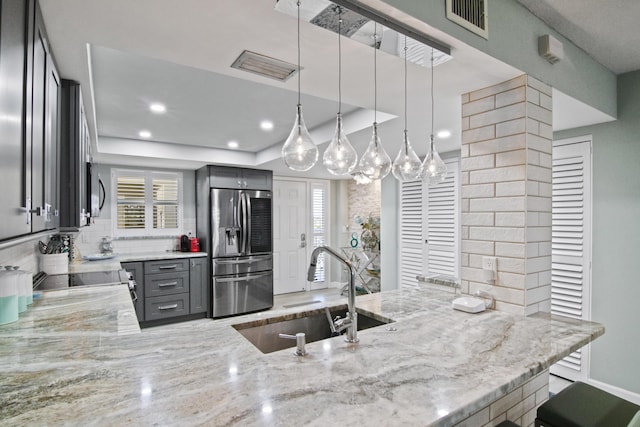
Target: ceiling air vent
264, 66
470, 14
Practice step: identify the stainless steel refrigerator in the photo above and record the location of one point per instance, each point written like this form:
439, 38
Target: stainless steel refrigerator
239, 240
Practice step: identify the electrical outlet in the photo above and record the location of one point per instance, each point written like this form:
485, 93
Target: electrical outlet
489, 263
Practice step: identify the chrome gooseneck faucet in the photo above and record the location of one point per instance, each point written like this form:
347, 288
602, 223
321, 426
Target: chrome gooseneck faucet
350, 322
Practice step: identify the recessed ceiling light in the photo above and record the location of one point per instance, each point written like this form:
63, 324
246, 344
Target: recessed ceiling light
266, 125
158, 108
144, 134
232, 144
444, 134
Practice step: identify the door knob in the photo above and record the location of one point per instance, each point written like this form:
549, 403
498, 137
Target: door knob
303, 240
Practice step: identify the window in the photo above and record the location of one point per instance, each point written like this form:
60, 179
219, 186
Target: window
319, 225
146, 203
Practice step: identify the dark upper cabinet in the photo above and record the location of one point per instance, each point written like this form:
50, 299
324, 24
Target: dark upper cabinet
13, 157
42, 90
74, 155
241, 178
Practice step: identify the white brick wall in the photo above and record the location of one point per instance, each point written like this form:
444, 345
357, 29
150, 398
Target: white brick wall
519, 405
506, 192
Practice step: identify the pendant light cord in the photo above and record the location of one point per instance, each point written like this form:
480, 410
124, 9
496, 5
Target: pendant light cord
298, 52
432, 103
405, 83
339, 61
375, 73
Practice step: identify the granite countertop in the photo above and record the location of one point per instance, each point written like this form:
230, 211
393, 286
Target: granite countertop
66, 363
86, 266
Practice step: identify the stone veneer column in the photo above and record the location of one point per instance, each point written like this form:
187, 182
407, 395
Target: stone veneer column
506, 192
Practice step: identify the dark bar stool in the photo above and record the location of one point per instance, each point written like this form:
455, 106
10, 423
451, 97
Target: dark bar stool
507, 423
582, 405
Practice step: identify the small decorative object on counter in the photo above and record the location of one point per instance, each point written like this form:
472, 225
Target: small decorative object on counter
194, 244
26, 279
184, 243
354, 240
8, 298
370, 230
17, 278
106, 245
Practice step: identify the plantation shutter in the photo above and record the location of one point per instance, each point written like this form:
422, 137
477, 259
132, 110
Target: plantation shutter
441, 224
411, 246
571, 243
319, 226
165, 201
131, 202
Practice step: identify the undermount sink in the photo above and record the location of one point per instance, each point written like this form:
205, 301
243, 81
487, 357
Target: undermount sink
264, 333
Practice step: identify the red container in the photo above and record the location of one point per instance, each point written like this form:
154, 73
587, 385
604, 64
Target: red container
194, 244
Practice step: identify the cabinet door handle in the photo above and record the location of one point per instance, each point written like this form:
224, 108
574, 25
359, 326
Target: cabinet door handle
164, 285
168, 267
168, 307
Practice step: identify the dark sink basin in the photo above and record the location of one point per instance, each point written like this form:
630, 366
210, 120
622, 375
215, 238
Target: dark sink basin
264, 333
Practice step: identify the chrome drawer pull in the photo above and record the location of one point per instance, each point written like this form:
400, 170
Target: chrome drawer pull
168, 267
168, 307
164, 285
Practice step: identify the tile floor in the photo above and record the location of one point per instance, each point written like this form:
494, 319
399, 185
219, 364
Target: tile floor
331, 295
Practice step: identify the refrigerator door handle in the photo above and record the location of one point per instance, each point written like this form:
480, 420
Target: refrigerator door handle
242, 223
247, 199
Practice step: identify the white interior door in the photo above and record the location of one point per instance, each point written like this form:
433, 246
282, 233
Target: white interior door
290, 240
571, 244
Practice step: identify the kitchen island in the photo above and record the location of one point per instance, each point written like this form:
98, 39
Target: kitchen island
75, 360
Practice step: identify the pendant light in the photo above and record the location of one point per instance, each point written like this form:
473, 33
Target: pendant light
299, 151
406, 166
340, 158
375, 162
434, 171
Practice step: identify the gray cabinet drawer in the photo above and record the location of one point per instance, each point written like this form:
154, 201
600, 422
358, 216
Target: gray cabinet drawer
166, 266
166, 284
166, 306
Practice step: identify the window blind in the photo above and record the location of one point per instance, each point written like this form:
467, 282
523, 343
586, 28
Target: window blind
131, 202
165, 202
319, 225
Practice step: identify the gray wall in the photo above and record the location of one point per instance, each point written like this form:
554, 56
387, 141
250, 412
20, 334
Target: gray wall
616, 238
513, 38
389, 234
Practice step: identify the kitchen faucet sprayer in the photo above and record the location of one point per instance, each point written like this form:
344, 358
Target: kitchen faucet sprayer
350, 322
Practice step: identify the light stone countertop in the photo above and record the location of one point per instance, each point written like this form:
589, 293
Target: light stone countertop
66, 363
86, 266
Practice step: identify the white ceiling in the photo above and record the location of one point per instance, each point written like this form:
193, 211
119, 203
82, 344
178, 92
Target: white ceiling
605, 29
127, 54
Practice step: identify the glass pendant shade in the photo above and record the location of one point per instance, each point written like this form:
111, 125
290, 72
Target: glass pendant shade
340, 158
299, 152
434, 171
407, 165
375, 162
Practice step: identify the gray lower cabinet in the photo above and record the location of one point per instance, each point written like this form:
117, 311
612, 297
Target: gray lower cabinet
170, 288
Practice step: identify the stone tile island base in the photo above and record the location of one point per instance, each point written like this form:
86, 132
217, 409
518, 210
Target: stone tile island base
519, 406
